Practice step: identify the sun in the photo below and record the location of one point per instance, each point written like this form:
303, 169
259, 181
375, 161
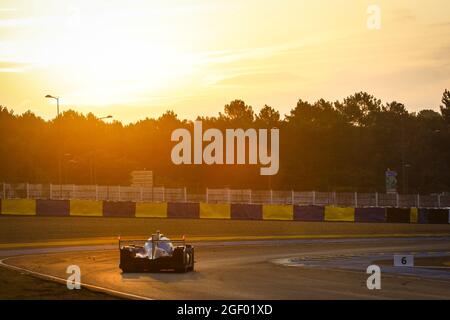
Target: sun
109, 62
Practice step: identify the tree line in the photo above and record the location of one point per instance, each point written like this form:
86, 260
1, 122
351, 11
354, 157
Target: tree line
331, 146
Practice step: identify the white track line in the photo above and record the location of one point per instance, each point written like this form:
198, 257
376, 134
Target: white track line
64, 281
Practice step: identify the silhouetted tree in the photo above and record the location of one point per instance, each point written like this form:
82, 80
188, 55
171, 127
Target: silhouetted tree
238, 112
268, 117
341, 145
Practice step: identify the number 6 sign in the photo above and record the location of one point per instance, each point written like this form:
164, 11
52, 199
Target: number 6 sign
403, 260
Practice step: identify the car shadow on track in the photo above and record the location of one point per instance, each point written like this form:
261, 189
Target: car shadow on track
164, 276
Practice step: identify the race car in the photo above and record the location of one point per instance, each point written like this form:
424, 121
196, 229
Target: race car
156, 254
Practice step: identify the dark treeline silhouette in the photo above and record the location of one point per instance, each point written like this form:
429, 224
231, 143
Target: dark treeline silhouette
342, 145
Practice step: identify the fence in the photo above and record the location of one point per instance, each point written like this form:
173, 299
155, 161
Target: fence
161, 194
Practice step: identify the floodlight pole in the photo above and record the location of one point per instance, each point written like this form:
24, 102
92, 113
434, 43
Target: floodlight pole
59, 148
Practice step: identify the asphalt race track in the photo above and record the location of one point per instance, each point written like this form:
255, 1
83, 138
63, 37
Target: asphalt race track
235, 259
270, 269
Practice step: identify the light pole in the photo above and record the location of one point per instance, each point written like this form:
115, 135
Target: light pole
57, 102
59, 147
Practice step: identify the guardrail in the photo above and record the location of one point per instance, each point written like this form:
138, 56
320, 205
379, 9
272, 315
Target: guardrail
162, 194
195, 210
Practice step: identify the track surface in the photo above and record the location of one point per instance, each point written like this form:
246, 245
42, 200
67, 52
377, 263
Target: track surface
37, 229
247, 270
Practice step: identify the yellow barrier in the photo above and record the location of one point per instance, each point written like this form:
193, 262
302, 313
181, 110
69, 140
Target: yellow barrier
414, 215
151, 210
86, 208
278, 212
339, 214
215, 211
22, 207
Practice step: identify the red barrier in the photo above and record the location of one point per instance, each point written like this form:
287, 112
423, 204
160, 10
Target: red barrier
309, 213
124, 209
53, 208
246, 212
183, 210
433, 216
398, 215
370, 215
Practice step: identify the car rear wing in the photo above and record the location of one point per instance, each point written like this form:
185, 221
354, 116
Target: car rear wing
141, 242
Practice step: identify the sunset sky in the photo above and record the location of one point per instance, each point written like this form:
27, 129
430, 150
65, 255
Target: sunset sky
134, 59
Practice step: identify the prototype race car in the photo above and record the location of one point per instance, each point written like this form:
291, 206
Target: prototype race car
155, 254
